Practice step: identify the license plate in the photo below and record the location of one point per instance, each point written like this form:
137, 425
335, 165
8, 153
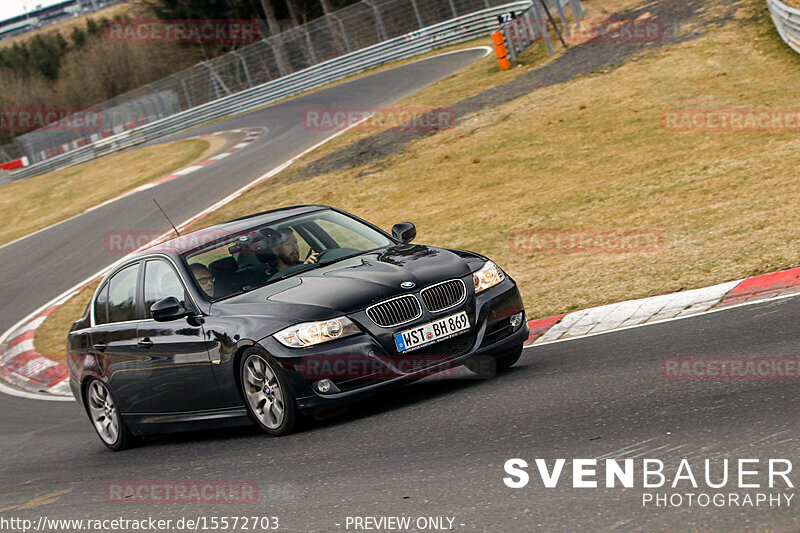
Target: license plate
431, 332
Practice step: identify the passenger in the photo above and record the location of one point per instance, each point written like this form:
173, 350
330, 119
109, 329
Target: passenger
204, 278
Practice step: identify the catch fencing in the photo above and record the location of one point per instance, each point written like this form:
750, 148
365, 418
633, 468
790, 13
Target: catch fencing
348, 41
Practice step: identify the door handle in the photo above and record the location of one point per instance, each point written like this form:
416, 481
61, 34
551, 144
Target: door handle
100, 347
145, 343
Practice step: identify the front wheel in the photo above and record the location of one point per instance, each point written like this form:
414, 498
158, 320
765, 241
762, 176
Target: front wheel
269, 400
509, 358
107, 421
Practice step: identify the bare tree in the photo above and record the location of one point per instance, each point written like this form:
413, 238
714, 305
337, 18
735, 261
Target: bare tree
294, 12
337, 39
272, 21
274, 28
327, 7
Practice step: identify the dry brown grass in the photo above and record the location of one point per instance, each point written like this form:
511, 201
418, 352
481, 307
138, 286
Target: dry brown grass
471, 80
35, 203
52, 334
591, 155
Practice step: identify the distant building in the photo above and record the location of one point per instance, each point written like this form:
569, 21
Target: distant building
45, 16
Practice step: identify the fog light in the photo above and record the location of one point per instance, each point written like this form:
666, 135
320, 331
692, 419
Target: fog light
516, 320
325, 386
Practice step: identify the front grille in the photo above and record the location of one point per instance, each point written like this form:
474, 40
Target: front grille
443, 295
395, 311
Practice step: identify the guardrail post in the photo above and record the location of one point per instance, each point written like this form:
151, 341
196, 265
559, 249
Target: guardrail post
416, 12
342, 30
309, 44
553, 22
185, 90
378, 19
541, 25
563, 15
215, 79
511, 48
244, 67
577, 11
277, 54
453, 8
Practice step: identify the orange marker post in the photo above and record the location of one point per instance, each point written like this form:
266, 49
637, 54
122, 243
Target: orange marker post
500, 50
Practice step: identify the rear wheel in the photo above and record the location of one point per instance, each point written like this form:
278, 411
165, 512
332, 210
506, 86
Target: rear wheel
268, 397
509, 358
107, 421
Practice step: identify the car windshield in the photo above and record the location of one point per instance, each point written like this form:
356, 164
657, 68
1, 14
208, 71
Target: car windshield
264, 254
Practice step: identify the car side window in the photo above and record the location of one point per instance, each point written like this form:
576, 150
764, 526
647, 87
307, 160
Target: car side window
101, 306
122, 294
161, 281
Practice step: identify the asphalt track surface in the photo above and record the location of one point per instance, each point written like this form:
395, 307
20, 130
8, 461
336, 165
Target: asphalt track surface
436, 447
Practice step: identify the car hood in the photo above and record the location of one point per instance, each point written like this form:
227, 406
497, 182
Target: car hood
352, 284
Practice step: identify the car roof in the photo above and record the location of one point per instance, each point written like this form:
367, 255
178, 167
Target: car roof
189, 241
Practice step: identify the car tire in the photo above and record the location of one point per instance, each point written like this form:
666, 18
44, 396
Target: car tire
269, 399
107, 421
509, 358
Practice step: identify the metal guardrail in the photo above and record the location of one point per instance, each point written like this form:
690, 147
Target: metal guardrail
451, 31
787, 22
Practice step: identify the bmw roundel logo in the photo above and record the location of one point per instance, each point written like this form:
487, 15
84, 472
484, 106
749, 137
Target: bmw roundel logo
408, 284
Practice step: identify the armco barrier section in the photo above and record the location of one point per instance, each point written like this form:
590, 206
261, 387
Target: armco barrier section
787, 22
451, 31
357, 26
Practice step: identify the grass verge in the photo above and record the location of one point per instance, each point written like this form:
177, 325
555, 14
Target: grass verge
35, 203
591, 155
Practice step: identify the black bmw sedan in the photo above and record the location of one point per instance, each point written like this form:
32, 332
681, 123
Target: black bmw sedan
277, 316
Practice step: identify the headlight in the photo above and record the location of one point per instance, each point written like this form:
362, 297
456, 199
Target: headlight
488, 276
311, 333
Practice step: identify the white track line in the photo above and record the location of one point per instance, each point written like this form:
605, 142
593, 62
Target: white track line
735, 306
116, 198
5, 389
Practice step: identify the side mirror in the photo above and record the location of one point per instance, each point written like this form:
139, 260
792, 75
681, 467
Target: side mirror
167, 309
404, 232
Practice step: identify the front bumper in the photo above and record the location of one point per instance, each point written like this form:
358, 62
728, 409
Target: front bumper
364, 363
